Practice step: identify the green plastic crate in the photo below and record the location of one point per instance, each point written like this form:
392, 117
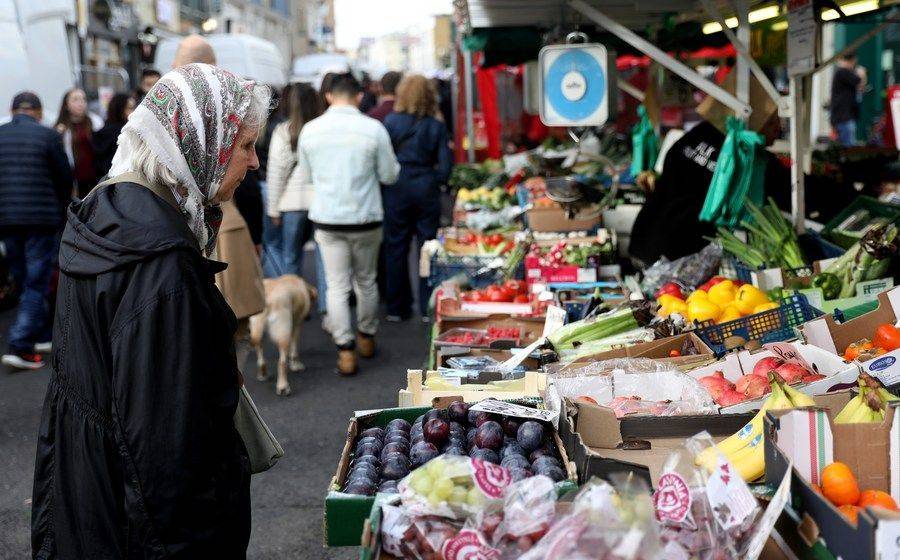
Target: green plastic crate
873, 206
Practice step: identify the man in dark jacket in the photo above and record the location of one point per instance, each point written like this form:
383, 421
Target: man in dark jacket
385, 106
145, 381
35, 186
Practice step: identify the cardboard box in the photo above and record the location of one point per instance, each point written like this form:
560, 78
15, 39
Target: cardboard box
531, 327
593, 433
659, 350
450, 305
839, 373
807, 441
417, 394
824, 332
345, 514
553, 218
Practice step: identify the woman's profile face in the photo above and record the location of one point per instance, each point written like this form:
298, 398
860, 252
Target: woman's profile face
243, 158
77, 103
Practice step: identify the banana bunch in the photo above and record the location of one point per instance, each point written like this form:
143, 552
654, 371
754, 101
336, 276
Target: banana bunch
744, 449
868, 405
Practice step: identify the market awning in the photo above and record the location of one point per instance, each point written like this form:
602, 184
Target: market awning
547, 13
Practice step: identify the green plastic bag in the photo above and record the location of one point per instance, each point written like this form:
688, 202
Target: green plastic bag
740, 174
644, 143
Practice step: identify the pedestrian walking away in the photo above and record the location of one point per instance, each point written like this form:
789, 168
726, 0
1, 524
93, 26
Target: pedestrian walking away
412, 207
120, 106
386, 100
35, 187
288, 199
77, 126
139, 410
847, 86
345, 155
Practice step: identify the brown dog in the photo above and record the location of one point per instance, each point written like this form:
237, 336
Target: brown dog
289, 300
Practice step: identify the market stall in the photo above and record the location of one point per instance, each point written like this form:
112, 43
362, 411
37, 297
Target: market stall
579, 406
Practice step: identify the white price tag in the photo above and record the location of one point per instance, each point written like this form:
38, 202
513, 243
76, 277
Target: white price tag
510, 409
728, 495
556, 317
766, 521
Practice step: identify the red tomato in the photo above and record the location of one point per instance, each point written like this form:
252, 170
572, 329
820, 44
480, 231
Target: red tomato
478, 295
495, 239
521, 298
497, 296
468, 239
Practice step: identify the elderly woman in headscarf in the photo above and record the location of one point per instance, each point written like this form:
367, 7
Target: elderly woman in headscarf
138, 456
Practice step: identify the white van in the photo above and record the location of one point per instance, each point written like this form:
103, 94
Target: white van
35, 52
312, 68
243, 55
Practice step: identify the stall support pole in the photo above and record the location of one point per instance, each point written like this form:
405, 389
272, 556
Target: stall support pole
470, 106
740, 45
742, 84
798, 154
660, 56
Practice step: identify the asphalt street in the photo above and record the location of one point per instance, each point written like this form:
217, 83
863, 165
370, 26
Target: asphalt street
311, 425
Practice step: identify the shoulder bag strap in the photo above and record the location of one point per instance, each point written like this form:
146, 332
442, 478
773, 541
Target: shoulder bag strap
138, 179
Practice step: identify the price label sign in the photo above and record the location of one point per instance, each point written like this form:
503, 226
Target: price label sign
517, 410
790, 354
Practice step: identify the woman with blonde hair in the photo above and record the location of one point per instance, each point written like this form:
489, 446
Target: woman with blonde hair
413, 205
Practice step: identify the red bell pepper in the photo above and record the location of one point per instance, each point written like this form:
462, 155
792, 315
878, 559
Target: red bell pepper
670, 288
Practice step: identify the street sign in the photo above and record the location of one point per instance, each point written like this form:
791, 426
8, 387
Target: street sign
575, 85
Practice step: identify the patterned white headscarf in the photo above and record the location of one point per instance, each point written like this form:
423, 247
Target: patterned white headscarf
190, 120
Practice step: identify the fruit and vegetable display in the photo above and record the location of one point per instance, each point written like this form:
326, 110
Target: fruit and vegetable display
480, 337
869, 259
744, 449
757, 383
885, 339
518, 519
771, 240
511, 291
719, 300
567, 252
484, 197
481, 244
868, 406
840, 487
383, 456
472, 175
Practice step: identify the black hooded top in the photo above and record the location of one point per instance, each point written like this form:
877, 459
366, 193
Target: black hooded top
137, 453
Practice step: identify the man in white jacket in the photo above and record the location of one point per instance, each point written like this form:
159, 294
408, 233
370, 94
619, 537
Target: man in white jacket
345, 155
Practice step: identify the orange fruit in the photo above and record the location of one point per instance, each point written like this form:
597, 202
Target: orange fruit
876, 498
839, 485
850, 512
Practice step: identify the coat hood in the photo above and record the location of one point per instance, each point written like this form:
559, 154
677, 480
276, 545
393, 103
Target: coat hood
118, 225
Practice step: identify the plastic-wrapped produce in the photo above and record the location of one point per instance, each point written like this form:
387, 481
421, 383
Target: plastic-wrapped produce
704, 515
453, 486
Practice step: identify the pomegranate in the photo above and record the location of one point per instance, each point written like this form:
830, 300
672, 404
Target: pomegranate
810, 377
764, 366
730, 397
716, 384
753, 386
791, 373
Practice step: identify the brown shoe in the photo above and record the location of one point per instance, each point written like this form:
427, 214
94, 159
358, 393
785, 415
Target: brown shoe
346, 363
365, 345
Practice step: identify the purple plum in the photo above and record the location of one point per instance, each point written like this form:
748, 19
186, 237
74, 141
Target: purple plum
375, 432
360, 488
436, 431
530, 435
488, 455
511, 426
421, 453
395, 469
489, 435
519, 473
458, 411
399, 424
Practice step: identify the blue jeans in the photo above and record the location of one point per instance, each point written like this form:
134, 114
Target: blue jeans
31, 257
296, 230
846, 132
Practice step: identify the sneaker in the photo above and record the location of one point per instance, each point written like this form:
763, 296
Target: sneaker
43, 347
365, 345
23, 361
